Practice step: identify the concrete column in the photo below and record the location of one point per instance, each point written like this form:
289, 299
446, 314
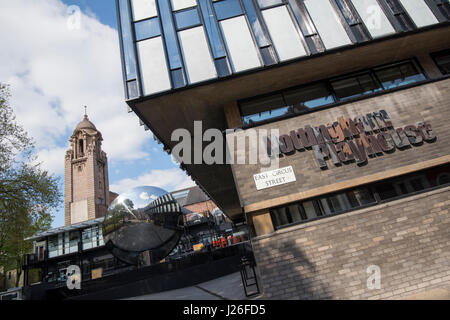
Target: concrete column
232, 115
262, 223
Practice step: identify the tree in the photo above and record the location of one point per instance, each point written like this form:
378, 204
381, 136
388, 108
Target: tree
28, 194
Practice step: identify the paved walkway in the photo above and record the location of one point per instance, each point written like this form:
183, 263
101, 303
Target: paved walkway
225, 288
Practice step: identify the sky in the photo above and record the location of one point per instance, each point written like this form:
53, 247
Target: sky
56, 64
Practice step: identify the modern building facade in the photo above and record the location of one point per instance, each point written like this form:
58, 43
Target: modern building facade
358, 91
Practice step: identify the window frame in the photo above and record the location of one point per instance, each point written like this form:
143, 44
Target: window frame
436, 55
407, 178
394, 16
337, 102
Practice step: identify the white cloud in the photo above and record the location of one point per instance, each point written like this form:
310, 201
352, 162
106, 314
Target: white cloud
54, 71
170, 180
52, 159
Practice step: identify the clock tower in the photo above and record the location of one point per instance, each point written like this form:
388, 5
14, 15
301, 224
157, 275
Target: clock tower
86, 186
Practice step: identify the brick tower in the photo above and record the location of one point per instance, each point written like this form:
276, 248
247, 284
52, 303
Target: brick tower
86, 185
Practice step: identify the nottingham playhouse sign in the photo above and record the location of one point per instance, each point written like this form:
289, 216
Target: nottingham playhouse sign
352, 140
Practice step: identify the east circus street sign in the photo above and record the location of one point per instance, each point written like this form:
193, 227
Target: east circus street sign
274, 178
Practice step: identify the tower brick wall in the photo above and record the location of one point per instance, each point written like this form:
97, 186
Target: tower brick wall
86, 182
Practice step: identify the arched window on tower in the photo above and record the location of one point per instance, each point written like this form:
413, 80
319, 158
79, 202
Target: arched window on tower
81, 145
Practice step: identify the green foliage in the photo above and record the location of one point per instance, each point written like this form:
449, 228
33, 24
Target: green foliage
28, 194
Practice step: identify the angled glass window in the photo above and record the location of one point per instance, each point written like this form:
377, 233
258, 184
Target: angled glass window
419, 12
374, 18
155, 76
308, 97
147, 29
327, 23
400, 15
187, 18
307, 27
268, 3
127, 41
399, 75
182, 4
143, 9
354, 86
240, 44
211, 28
169, 35
196, 54
353, 20
303, 19
227, 9
285, 36
256, 25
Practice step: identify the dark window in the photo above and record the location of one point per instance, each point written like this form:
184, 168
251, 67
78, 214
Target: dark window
386, 191
417, 184
444, 7
307, 27
353, 20
404, 21
399, 75
132, 89
402, 187
354, 86
178, 78
363, 196
227, 9
268, 56
264, 108
308, 97
81, 147
360, 197
187, 18
442, 60
443, 178
222, 67
147, 29
304, 99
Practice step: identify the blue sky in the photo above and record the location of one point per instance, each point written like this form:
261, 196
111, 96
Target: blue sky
104, 10
55, 69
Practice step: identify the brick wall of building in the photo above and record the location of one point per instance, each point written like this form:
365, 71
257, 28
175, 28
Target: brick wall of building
201, 207
408, 239
429, 102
